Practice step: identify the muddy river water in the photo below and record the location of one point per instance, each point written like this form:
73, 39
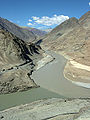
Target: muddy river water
52, 82
51, 77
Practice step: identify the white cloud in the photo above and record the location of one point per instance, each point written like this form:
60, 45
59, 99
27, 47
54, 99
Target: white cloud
48, 21
29, 24
35, 18
30, 20
89, 3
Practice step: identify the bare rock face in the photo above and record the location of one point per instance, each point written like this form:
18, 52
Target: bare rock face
17, 62
50, 109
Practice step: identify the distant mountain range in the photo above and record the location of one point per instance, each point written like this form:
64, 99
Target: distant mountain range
25, 33
48, 30
37, 32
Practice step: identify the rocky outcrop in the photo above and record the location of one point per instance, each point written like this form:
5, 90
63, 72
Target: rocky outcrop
22, 33
50, 109
72, 40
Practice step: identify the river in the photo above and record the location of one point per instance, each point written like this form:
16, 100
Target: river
18, 98
52, 82
51, 77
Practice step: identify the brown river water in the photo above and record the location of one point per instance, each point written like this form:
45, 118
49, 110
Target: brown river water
52, 82
51, 77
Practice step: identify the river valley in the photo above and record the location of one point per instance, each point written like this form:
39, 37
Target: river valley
50, 78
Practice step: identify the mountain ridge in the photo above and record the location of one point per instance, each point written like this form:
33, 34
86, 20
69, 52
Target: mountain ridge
22, 33
36, 31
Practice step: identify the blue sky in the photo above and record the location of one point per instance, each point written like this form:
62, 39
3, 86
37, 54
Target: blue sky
42, 13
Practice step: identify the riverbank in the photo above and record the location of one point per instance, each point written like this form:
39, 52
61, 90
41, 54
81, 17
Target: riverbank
50, 109
51, 77
77, 73
15, 99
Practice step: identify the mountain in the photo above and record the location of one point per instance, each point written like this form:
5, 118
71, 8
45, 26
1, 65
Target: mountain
48, 30
85, 20
36, 31
60, 31
65, 26
69, 36
22, 33
72, 40
19, 57
17, 62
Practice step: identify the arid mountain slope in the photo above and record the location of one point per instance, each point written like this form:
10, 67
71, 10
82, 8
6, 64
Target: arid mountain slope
22, 33
58, 32
17, 62
65, 26
85, 20
67, 30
